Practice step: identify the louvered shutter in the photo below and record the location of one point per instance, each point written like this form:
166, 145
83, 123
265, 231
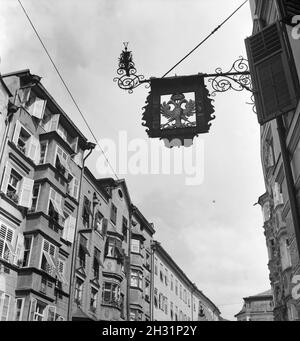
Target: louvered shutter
26, 192
19, 249
104, 226
289, 9
271, 71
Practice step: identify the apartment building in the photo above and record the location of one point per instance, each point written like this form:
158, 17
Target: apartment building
116, 269
257, 307
140, 267
274, 58
40, 168
175, 297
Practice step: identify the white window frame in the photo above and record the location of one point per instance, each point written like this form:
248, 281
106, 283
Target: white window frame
30, 251
22, 299
37, 198
135, 245
2, 301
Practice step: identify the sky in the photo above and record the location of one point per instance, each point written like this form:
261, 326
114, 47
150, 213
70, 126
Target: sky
211, 229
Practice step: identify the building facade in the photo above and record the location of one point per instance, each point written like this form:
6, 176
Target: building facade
140, 267
40, 165
175, 297
257, 308
274, 58
74, 247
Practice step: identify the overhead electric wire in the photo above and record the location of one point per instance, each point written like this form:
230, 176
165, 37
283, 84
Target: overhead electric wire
66, 87
204, 40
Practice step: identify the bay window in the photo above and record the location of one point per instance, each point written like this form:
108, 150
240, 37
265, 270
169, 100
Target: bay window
111, 293
40, 311
136, 279
135, 246
55, 205
19, 305
93, 300
78, 290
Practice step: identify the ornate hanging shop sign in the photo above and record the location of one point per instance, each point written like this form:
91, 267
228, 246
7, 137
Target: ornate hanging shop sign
178, 109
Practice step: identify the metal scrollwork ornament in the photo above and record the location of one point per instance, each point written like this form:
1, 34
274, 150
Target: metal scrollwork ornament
128, 79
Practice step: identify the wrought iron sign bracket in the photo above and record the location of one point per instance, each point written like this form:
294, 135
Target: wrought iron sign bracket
237, 78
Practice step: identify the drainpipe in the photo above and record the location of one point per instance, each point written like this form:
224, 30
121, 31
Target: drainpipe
131, 210
90, 147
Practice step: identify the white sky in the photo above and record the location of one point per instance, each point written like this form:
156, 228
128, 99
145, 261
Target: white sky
220, 245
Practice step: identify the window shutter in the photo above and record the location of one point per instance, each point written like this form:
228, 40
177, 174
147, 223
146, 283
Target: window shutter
37, 109
19, 249
71, 230
26, 192
16, 133
50, 315
104, 226
74, 144
25, 94
34, 149
271, 71
32, 309
66, 229
54, 122
6, 176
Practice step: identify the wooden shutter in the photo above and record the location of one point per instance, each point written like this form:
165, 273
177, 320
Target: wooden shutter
289, 8
16, 133
104, 226
54, 122
271, 71
34, 151
71, 229
38, 108
66, 228
26, 192
5, 178
19, 255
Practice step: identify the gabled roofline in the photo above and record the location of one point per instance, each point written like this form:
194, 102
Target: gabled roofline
139, 214
91, 176
26, 72
157, 246
5, 87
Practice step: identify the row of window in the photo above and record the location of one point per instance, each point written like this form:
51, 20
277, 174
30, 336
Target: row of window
111, 295
174, 286
161, 302
17, 249
39, 311
36, 150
